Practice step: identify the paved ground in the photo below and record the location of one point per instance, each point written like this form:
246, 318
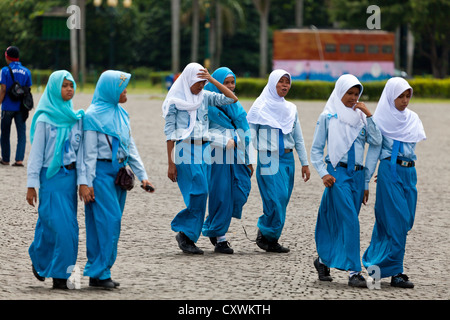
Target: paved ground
150, 266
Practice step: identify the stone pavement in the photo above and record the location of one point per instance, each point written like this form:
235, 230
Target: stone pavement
151, 267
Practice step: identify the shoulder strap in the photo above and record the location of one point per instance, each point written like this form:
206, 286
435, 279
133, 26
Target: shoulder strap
12, 74
109, 142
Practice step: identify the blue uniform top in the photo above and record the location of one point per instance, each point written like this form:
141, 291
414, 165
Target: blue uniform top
384, 151
370, 134
97, 147
21, 75
43, 150
178, 120
264, 141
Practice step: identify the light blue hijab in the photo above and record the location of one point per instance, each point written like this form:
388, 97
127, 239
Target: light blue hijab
105, 115
235, 115
52, 109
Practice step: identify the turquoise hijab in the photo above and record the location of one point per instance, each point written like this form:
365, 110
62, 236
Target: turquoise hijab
52, 109
235, 115
105, 115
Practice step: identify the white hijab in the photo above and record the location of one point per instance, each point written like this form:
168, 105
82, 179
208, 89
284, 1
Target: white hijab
271, 109
404, 126
181, 96
345, 123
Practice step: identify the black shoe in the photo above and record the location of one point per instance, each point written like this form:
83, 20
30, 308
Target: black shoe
186, 244
276, 247
116, 284
223, 247
213, 240
60, 284
401, 281
323, 271
261, 241
106, 283
357, 280
37, 274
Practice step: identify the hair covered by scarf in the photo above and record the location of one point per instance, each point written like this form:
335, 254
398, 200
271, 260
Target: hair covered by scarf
345, 123
404, 126
271, 109
105, 115
181, 96
52, 109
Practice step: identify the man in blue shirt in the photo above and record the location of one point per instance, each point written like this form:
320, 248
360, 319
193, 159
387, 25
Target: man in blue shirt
11, 109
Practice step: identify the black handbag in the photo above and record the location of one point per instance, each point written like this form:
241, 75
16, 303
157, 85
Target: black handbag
125, 177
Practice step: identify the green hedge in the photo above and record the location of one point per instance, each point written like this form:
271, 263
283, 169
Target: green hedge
300, 90
321, 90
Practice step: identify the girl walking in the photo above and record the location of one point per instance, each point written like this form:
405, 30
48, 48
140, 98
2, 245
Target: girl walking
56, 167
276, 127
108, 146
231, 169
396, 196
344, 126
185, 111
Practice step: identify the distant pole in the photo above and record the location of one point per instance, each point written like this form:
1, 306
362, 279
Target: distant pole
175, 36
74, 47
299, 13
83, 43
409, 51
207, 62
195, 30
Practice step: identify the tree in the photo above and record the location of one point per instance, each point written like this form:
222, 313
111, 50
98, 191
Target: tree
427, 20
228, 15
263, 9
430, 24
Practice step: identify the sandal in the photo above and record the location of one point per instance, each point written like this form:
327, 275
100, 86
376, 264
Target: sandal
15, 164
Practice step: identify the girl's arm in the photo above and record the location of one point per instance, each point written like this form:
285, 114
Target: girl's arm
35, 162
204, 74
172, 170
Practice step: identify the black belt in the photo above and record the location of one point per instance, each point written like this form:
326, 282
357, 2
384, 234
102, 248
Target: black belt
71, 166
194, 141
403, 163
109, 160
344, 165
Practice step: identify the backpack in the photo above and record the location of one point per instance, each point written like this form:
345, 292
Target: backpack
17, 92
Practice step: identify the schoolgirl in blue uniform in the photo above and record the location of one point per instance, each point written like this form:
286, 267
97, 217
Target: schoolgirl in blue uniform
108, 146
55, 166
231, 169
276, 131
185, 111
396, 196
345, 126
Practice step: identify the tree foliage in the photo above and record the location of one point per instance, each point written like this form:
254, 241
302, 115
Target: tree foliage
140, 36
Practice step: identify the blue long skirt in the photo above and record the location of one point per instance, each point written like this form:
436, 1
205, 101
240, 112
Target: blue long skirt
337, 227
275, 188
229, 188
103, 220
55, 246
395, 208
192, 162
